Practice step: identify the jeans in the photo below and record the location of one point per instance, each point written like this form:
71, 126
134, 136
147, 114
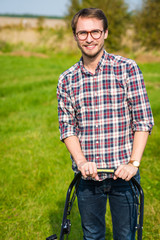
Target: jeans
92, 198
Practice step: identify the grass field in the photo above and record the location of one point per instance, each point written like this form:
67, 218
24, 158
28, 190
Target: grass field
35, 167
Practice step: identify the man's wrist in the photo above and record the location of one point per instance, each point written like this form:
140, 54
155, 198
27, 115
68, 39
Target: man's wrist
134, 163
81, 163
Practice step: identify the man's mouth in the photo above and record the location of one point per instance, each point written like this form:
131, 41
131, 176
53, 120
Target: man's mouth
90, 47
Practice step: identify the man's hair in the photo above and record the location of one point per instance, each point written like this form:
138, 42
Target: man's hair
89, 13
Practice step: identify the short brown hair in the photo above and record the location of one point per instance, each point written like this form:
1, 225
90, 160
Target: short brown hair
89, 13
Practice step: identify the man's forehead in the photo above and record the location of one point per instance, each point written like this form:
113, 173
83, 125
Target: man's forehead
87, 23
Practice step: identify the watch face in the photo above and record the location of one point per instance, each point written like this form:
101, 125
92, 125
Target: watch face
136, 163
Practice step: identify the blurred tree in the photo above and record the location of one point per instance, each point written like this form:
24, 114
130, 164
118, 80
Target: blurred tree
117, 15
147, 24
40, 23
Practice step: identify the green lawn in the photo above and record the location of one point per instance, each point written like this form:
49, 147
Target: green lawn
35, 167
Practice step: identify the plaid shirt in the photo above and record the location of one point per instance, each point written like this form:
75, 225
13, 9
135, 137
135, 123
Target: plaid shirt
104, 109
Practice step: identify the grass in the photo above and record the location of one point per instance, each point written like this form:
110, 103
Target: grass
35, 167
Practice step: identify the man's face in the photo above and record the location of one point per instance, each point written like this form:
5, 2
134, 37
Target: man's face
90, 47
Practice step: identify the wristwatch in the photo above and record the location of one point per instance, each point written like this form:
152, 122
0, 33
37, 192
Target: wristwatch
135, 163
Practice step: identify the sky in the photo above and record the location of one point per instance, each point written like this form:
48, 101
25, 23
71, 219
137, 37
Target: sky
45, 7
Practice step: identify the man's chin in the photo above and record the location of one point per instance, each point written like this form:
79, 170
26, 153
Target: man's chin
91, 54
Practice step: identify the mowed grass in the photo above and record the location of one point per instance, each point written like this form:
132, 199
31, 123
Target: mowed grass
35, 167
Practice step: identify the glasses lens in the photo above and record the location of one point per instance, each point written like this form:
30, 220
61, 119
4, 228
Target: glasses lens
82, 35
96, 34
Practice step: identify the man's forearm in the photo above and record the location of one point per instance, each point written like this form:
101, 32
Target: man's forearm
139, 143
86, 168
127, 171
73, 146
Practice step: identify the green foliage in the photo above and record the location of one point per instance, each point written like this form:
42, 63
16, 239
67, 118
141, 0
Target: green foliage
5, 46
147, 24
35, 167
117, 15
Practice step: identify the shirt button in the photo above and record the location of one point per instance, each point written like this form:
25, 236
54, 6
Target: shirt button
97, 157
97, 142
96, 126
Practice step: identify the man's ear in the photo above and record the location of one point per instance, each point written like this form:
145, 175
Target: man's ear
106, 34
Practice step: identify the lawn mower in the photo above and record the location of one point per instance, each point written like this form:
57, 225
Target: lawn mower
71, 195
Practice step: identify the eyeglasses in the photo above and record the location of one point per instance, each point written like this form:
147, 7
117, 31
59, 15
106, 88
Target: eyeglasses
95, 34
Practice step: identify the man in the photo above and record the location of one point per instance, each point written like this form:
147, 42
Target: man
105, 119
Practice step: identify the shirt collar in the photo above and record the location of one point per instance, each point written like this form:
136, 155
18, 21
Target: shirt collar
102, 60
99, 66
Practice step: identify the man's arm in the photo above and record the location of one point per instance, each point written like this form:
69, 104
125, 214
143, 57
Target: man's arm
142, 120
86, 168
67, 126
126, 172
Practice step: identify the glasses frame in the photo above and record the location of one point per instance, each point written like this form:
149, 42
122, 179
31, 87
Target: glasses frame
90, 32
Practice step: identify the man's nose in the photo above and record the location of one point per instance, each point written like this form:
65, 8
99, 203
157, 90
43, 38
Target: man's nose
89, 38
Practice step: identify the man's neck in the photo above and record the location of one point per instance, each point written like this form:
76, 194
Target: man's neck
91, 63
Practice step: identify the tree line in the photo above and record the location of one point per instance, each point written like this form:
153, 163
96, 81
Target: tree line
144, 22
28, 16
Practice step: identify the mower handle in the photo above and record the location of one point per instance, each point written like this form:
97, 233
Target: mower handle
106, 170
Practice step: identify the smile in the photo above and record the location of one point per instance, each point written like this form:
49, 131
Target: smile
90, 47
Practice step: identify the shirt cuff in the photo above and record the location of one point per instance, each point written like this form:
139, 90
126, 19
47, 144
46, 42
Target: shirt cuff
67, 131
142, 127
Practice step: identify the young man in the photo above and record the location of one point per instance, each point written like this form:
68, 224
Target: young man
105, 119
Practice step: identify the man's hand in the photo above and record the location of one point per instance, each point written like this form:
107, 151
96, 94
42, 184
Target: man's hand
126, 172
88, 169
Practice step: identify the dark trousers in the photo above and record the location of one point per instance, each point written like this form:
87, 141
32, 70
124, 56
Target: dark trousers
92, 199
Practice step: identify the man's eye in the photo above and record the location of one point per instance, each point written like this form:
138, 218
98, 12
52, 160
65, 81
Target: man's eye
95, 31
83, 33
